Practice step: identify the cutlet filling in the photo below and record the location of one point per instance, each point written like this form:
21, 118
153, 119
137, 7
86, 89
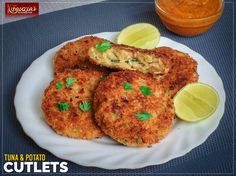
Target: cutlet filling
124, 58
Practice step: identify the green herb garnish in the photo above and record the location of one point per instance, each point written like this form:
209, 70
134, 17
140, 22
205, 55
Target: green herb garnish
104, 46
103, 78
146, 90
131, 60
59, 85
84, 106
63, 106
143, 116
168, 92
134, 60
123, 141
70, 81
127, 86
138, 140
115, 61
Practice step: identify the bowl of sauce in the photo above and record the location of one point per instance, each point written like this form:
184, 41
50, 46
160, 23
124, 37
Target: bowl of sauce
189, 17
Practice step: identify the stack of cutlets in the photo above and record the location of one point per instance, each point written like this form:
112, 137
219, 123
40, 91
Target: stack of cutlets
132, 104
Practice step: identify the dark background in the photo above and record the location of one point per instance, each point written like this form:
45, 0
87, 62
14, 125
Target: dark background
25, 40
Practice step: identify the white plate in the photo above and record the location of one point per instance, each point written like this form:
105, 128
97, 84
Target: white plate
104, 152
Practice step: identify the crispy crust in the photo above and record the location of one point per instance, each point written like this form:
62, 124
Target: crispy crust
75, 55
73, 122
183, 69
115, 109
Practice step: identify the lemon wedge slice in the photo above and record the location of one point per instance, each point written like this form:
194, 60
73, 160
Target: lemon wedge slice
195, 102
140, 35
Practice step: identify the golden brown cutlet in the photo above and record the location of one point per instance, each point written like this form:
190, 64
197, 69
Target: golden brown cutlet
133, 109
64, 107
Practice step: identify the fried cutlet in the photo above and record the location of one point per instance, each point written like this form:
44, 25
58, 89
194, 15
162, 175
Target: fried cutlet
171, 68
75, 55
133, 109
67, 103
183, 69
122, 57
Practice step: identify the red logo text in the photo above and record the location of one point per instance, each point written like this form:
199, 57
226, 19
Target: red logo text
21, 9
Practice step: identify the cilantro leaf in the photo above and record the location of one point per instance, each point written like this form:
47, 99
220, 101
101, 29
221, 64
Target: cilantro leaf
104, 46
143, 116
70, 81
146, 90
84, 106
63, 106
127, 86
59, 85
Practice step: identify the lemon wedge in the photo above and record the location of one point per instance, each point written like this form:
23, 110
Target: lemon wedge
140, 35
195, 102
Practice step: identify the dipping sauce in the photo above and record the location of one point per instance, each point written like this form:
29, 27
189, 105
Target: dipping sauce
190, 8
189, 17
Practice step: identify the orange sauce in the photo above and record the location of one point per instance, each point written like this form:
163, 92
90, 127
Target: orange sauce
190, 8
189, 17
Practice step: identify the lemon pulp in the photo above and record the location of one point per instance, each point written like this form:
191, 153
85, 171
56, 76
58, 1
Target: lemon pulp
140, 35
195, 102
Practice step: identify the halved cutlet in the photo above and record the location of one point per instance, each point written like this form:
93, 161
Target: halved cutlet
122, 57
171, 68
